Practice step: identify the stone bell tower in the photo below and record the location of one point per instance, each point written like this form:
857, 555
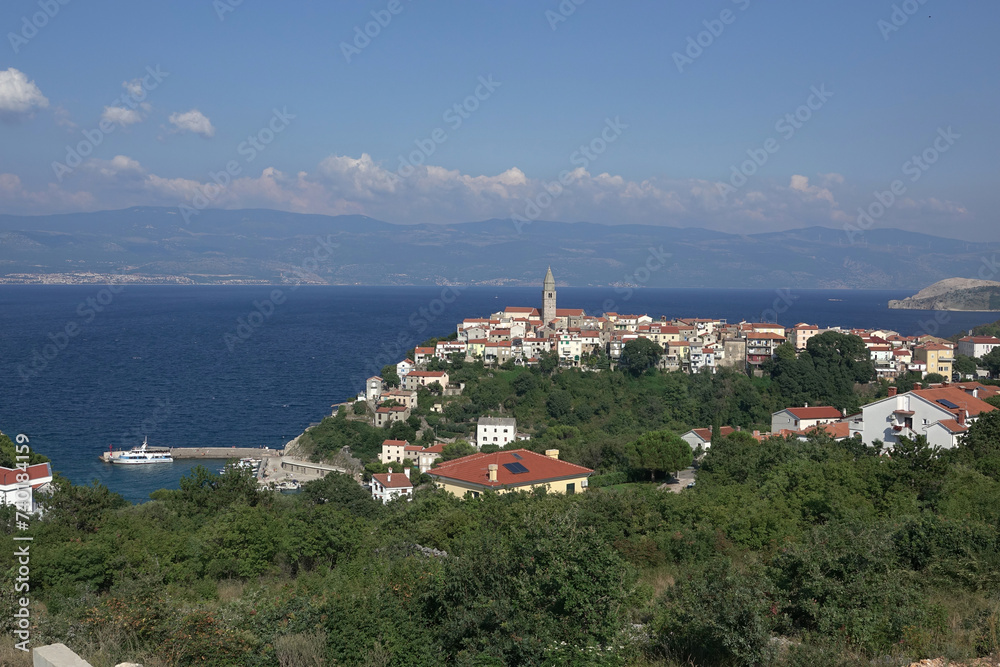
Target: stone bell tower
548, 298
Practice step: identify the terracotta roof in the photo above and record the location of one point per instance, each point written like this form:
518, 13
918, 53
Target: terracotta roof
982, 340
706, 433
953, 394
953, 426
39, 471
569, 312
521, 309
822, 412
425, 374
836, 430
474, 469
395, 443
768, 335
435, 449
393, 480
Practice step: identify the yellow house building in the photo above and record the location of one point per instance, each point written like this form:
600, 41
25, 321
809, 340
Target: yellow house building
939, 358
510, 470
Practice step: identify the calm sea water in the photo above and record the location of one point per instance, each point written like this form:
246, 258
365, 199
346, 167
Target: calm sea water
190, 366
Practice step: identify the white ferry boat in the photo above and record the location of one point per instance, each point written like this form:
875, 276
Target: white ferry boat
143, 454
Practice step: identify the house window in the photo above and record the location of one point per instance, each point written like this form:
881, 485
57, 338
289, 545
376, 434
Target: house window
570, 489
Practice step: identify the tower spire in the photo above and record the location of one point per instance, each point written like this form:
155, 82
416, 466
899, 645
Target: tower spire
548, 297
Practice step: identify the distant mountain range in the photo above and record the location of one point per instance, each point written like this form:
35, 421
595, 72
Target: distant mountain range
222, 246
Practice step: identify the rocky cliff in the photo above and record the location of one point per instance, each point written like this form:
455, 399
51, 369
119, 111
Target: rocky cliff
954, 294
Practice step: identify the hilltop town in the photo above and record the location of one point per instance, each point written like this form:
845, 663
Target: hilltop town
941, 393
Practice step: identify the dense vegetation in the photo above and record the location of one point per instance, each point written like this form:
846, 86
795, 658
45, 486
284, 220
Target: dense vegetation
786, 552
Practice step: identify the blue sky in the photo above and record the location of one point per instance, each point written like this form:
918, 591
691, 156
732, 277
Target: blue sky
355, 133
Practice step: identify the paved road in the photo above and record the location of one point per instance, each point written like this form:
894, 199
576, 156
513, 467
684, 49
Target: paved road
679, 483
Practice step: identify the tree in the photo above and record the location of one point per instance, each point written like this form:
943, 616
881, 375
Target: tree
360, 407
659, 451
390, 376
639, 355
559, 404
992, 361
456, 450
934, 378
981, 444
964, 366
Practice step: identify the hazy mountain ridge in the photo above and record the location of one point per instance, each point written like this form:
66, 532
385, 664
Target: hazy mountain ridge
274, 246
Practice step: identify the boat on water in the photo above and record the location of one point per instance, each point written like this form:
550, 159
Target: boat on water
143, 454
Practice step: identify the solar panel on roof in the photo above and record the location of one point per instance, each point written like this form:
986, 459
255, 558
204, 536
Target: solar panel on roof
946, 403
515, 468
516, 456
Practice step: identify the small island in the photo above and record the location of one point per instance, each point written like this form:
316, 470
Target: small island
954, 294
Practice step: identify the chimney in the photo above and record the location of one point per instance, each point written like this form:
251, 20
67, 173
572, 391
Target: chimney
806, 405
945, 383
893, 390
552, 453
406, 471
756, 434
961, 417
917, 386
493, 467
388, 477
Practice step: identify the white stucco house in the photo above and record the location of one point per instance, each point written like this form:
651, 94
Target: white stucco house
495, 431
390, 485
943, 414
22, 494
800, 419
977, 346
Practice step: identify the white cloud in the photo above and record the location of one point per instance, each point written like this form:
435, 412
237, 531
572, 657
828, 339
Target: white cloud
19, 97
193, 121
343, 184
121, 116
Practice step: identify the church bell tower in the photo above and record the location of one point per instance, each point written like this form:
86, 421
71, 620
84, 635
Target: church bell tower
548, 298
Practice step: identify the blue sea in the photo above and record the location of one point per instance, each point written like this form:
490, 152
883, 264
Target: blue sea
86, 367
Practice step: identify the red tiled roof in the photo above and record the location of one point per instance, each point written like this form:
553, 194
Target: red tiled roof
423, 350
435, 449
569, 312
982, 340
706, 433
953, 426
474, 469
398, 480
822, 412
425, 374
8, 476
768, 335
836, 430
964, 401
395, 443
521, 309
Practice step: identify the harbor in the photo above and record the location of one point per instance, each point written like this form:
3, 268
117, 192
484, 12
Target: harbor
203, 453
